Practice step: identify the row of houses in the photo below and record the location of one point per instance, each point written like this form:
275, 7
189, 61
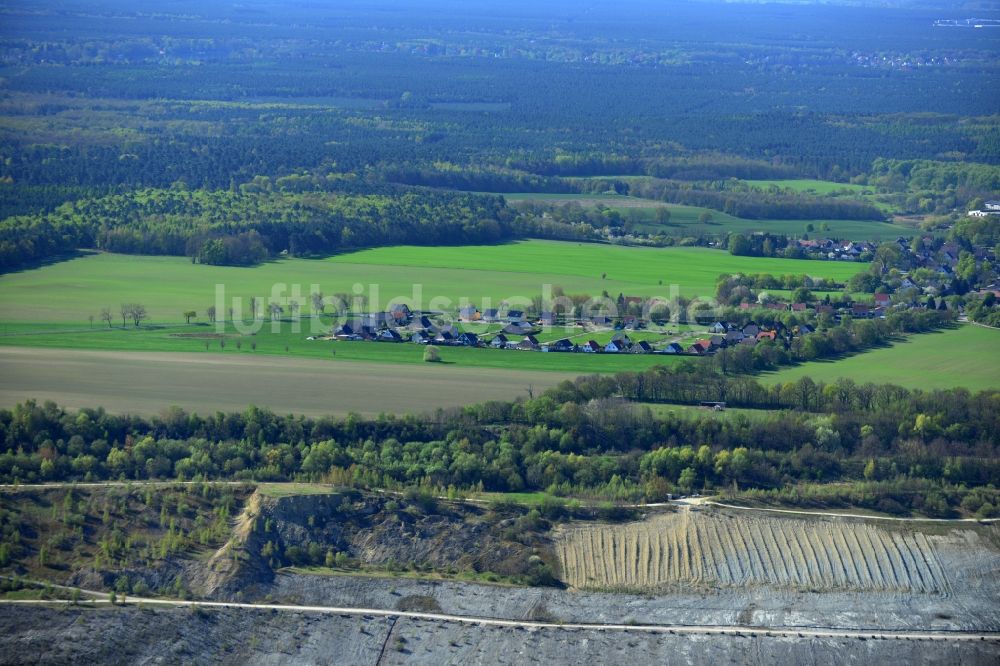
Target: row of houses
989, 209
726, 334
451, 337
832, 249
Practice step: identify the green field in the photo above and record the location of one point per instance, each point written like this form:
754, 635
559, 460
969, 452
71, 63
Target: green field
684, 220
965, 356
829, 188
809, 185
72, 290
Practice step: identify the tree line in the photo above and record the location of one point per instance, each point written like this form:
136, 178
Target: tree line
594, 436
245, 227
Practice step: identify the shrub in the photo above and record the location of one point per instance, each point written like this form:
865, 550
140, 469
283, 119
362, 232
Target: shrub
432, 355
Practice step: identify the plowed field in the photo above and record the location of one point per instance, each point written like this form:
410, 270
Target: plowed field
722, 550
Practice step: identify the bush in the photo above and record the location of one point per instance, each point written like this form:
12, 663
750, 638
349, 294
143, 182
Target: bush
432, 355
421, 498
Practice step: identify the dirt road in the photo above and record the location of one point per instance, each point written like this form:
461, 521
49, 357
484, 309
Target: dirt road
691, 630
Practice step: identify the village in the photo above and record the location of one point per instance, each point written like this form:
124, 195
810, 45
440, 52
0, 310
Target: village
910, 276
629, 334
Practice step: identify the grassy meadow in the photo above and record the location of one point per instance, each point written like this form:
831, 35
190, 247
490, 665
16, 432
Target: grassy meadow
963, 356
808, 185
685, 220
72, 290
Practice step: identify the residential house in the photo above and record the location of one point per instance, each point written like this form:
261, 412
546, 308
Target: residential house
468, 339
616, 346
421, 338
446, 336
623, 338
469, 313
499, 341
388, 335
379, 320
673, 348
422, 323
732, 337
354, 330
698, 349
883, 299
767, 335
706, 343
519, 328
592, 347
491, 315
642, 347
751, 330
400, 313
529, 343
563, 345
514, 316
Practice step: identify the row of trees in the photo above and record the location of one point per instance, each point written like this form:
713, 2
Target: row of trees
134, 312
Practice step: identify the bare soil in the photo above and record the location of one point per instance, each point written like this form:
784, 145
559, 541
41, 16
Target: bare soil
143, 636
146, 382
719, 549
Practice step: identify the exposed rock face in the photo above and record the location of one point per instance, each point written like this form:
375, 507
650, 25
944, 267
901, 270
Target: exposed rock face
370, 529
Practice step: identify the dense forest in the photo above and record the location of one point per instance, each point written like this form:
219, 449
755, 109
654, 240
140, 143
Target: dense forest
247, 226
670, 103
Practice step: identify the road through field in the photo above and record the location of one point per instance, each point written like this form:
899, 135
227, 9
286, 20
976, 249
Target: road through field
148, 382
